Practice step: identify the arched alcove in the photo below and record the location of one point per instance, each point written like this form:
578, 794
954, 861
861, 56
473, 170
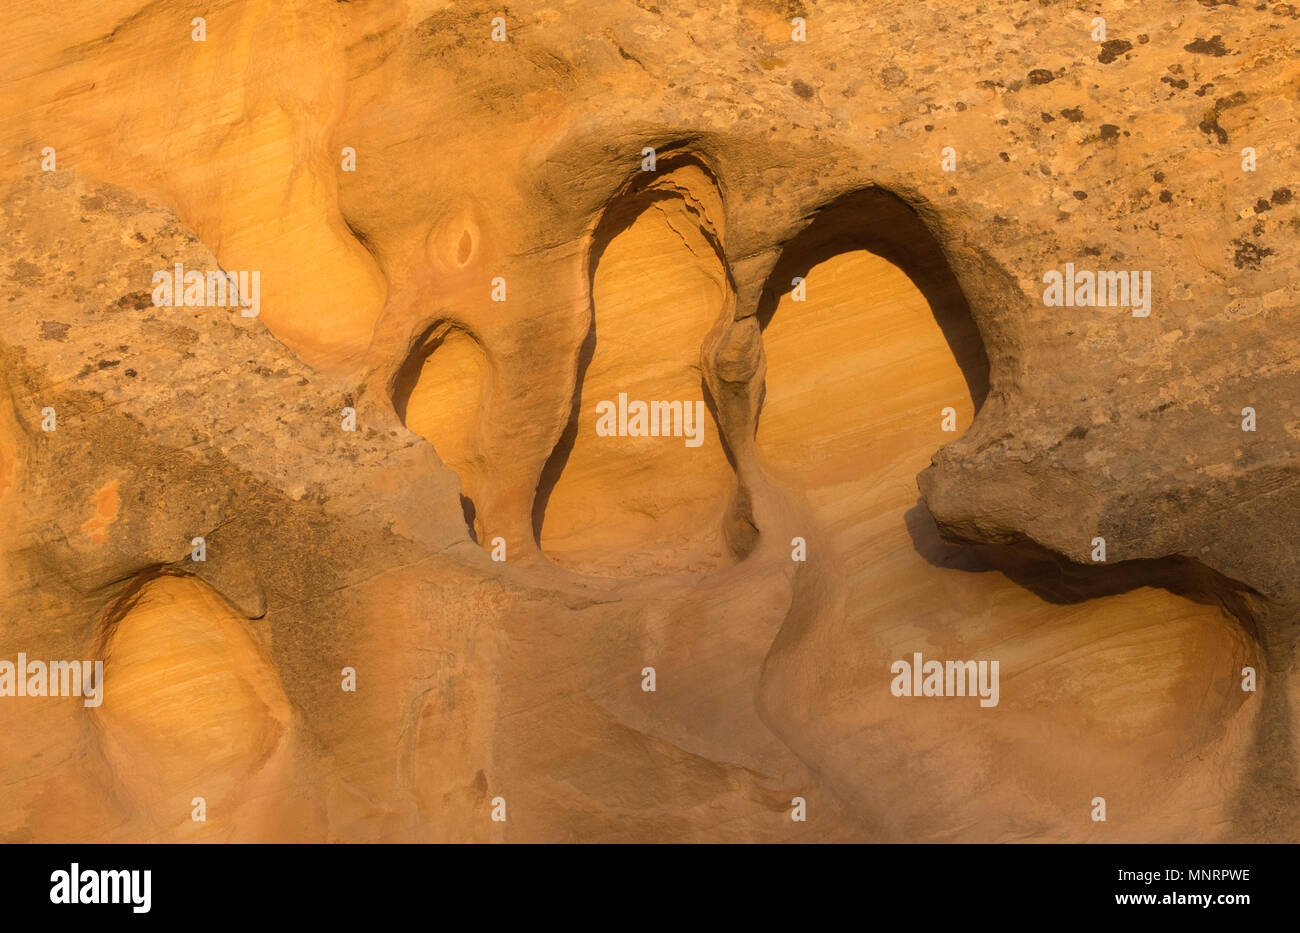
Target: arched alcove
1108, 687
191, 705
610, 502
439, 393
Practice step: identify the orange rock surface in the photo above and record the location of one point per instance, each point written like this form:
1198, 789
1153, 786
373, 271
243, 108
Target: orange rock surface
362, 562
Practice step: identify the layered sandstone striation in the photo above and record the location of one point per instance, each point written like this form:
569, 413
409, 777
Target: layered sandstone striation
432, 589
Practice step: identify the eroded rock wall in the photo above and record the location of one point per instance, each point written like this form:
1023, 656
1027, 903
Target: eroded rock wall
393, 463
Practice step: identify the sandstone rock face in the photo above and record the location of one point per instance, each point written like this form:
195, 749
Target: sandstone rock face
373, 546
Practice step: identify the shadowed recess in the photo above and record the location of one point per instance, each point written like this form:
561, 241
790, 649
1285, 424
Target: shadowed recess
881, 223
439, 393
636, 505
862, 378
192, 706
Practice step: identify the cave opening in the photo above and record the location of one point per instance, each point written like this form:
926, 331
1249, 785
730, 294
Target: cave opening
618, 502
439, 393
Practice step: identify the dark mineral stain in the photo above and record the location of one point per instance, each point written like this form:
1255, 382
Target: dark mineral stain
1209, 125
1113, 49
1212, 46
1281, 196
1073, 114
1249, 255
1165, 197
135, 300
1261, 206
1109, 131
1236, 98
25, 273
893, 76
54, 330
803, 90
1041, 76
